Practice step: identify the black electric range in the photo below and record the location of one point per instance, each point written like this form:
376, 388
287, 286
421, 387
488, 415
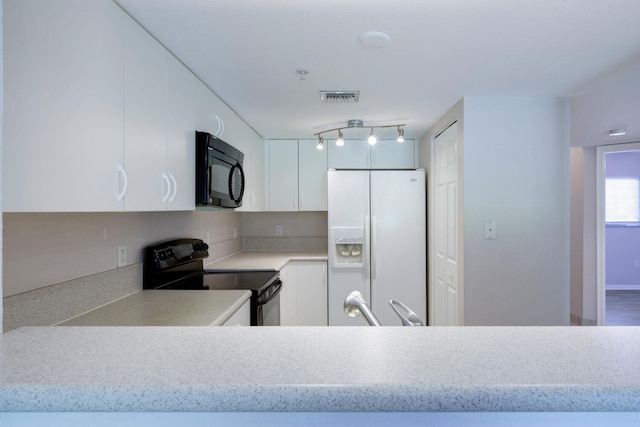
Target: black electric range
178, 265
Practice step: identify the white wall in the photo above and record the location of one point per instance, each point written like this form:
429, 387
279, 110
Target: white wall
516, 172
583, 236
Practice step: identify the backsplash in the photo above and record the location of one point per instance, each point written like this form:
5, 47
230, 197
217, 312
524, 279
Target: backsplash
42, 249
285, 231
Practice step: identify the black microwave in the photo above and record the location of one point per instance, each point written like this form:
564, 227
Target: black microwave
219, 173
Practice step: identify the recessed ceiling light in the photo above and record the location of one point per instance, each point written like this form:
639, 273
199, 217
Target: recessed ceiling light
617, 132
375, 39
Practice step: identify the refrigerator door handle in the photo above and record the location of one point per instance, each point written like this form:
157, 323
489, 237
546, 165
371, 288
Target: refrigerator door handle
373, 245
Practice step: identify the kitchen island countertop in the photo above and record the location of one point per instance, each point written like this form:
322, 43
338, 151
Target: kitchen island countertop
428, 369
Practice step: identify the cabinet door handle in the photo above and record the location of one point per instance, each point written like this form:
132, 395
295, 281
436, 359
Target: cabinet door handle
165, 178
220, 130
125, 182
174, 184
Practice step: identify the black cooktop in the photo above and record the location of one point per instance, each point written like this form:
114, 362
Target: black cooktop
251, 280
178, 264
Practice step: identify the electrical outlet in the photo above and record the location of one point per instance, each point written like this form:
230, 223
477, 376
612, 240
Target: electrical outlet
279, 230
637, 263
207, 237
122, 255
235, 232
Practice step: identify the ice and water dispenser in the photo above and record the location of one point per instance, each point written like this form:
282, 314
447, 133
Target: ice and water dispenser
348, 247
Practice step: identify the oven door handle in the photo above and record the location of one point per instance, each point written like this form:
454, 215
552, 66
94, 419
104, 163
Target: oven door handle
272, 293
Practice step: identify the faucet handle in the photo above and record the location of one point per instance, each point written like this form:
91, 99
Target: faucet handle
408, 317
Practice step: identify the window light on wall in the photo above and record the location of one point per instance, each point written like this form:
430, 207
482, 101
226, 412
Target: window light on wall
622, 200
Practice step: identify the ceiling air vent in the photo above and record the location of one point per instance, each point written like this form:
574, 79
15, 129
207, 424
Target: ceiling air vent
340, 96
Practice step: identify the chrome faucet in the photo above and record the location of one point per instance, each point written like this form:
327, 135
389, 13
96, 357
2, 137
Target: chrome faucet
355, 304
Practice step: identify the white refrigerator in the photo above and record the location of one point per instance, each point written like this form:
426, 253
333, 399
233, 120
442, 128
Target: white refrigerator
377, 242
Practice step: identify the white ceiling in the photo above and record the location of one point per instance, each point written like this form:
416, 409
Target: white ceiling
247, 52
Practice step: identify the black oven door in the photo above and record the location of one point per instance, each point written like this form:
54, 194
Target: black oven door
226, 181
268, 305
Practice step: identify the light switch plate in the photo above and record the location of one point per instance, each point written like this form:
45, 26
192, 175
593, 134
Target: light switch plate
490, 230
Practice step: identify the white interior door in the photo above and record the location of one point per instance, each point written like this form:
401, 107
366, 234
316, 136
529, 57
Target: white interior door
445, 301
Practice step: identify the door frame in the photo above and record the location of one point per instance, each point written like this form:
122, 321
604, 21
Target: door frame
601, 152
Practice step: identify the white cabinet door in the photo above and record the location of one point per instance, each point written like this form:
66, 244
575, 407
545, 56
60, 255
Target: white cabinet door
312, 176
209, 117
145, 118
288, 304
391, 154
303, 299
181, 136
354, 154
283, 175
63, 100
385, 154
311, 293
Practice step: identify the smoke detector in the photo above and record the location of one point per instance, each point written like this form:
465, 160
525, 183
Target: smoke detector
340, 96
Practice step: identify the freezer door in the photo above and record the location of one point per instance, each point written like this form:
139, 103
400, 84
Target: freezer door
348, 214
398, 243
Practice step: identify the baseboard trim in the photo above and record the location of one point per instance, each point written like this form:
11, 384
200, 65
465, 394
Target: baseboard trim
577, 320
623, 287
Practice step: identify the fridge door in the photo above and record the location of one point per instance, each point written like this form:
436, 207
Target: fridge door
348, 213
398, 243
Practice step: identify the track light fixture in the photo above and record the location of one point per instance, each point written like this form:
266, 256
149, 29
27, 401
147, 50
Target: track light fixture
358, 124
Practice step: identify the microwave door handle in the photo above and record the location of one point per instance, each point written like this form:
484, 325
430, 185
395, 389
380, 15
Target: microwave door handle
235, 198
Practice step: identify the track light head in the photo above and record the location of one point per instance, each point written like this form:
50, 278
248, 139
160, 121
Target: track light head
340, 140
400, 134
372, 138
320, 144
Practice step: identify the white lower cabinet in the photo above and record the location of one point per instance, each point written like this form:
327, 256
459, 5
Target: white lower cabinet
303, 299
242, 317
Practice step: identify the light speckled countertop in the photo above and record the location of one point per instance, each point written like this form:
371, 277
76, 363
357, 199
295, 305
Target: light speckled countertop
320, 369
166, 308
256, 260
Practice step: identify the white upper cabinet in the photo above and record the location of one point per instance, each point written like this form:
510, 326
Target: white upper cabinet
145, 120
385, 154
181, 147
391, 154
283, 175
99, 116
312, 176
63, 106
296, 176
